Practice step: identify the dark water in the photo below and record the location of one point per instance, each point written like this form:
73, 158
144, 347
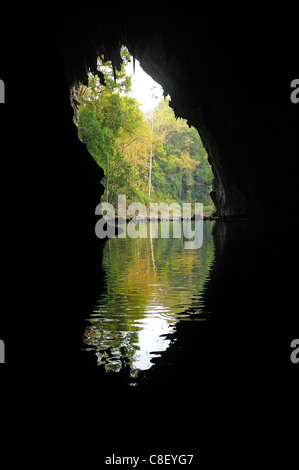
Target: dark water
224, 381
150, 285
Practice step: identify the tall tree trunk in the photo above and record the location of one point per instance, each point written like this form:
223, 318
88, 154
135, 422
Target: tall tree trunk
150, 174
107, 178
151, 157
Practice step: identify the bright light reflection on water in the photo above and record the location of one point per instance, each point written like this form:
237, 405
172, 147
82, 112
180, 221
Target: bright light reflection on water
150, 284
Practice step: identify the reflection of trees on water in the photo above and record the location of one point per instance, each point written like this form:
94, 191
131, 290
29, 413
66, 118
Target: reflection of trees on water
151, 283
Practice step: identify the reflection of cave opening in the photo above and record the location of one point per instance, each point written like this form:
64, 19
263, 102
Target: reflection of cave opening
150, 284
148, 155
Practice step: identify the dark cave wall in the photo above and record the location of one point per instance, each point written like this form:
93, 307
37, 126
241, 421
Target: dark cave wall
228, 75
229, 78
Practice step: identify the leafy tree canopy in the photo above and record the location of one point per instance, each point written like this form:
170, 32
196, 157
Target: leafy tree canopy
154, 157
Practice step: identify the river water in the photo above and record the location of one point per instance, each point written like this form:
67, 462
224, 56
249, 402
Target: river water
191, 348
150, 284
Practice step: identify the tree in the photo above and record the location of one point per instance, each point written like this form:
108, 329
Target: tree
181, 157
153, 157
103, 117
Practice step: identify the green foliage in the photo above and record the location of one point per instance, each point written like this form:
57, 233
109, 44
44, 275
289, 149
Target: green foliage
153, 157
181, 169
150, 263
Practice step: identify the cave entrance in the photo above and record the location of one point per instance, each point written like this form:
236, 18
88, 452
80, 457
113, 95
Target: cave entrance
131, 131
150, 281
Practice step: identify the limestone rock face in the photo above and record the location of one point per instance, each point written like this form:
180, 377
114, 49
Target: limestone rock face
228, 75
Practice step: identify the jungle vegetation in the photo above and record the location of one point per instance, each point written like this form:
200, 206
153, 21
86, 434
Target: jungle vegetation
153, 157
